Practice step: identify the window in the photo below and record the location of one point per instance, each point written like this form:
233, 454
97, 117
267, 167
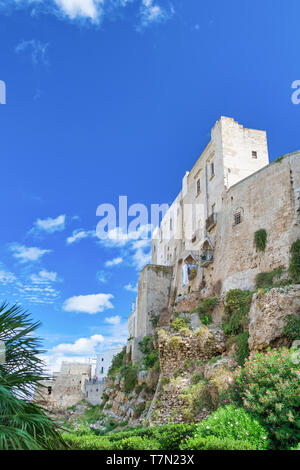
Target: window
198, 187
213, 208
194, 239
254, 154
237, 218
102, 370
171, 224
212, 169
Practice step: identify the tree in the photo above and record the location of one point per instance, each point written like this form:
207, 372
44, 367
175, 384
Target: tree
23, 423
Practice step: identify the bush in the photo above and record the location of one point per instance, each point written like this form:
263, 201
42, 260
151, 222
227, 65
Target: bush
243, 347
294, 267
137, 443
196, 397
237, 306
130, 375
196, 378
268, 387
166, 437
151, 358
215, 443
117, 362
292, 327
146, 345
180, 323
205, 309
230, 424
170, 436
260, 239
266, 279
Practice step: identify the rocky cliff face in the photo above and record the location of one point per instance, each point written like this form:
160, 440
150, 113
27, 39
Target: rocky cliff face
188, 363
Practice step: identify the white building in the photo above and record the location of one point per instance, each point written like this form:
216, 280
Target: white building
104, 361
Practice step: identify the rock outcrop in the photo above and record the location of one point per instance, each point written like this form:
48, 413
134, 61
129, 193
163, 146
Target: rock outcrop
176, 348
267, 316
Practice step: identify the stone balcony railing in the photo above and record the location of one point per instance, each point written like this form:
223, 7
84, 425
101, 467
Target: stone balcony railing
206, 258
211, 221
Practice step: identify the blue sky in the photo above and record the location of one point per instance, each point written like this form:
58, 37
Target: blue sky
117, 97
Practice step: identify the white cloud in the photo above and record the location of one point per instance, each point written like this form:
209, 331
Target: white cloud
50, 225
92, 304
44, 277
36, 49
80, 234
103, 276
90, 9
6, 277
131, 288
141, 258
116, 320
81, 346
151, 12
25, 254
114, 262
53, 360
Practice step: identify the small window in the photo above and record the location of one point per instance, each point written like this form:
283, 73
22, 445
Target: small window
237, 218
213, 208
102, 359
212, 169
194, 239
198, 187
171, 224
254, 154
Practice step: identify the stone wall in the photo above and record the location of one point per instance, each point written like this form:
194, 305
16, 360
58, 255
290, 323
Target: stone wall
267, 200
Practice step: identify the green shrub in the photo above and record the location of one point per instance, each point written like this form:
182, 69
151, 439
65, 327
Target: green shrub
195, 398
92, 414
232, 424
170, 436
117, 362
146, 345
294, 266
292, 327
130, 375
266, 279
196, 378
137, 443
216, 443
237, 306
243, 347
151, 358
268, 387
205, 309
180, 323
260, 239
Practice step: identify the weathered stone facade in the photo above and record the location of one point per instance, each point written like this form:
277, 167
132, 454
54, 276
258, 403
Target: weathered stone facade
66, 388
206, 239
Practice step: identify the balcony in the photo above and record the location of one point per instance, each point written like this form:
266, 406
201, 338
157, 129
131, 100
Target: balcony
211, 221
206, 258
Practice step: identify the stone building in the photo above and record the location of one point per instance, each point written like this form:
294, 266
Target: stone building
205, 242
66, 388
